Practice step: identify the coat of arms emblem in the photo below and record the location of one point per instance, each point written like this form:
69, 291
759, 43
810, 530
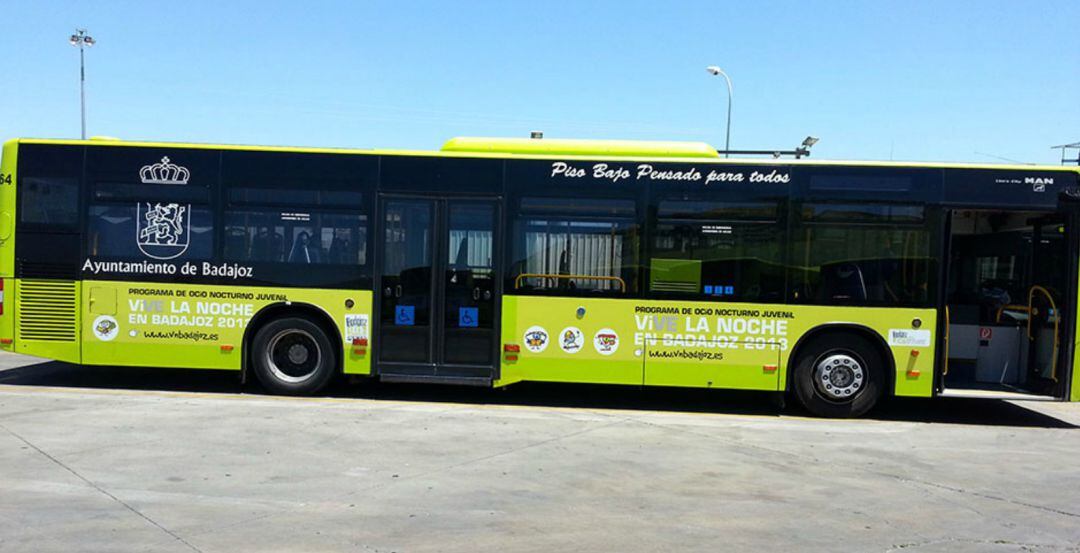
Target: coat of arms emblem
164, 229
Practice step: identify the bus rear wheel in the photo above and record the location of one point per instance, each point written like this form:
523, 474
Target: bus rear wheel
839, 375
293, 356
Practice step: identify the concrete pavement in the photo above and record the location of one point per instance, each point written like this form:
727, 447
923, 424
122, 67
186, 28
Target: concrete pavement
144, 460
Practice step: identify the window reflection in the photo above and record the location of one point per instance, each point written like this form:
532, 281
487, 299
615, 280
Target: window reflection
300, 237
862, 255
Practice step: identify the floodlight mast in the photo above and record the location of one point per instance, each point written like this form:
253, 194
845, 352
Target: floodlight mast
81, 40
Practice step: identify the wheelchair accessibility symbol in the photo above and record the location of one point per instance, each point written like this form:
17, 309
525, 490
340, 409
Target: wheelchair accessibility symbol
405, 315
468, 317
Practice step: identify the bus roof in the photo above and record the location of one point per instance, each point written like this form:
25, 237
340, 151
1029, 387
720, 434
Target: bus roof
545, 148
580, 147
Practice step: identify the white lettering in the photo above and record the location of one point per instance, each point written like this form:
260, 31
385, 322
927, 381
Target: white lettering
566, 170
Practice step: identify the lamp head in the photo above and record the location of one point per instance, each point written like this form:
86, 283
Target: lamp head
80, 39
714, 70
810, 141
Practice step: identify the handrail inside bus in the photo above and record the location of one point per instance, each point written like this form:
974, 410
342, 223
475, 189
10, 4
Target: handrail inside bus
522, 276
1057, 322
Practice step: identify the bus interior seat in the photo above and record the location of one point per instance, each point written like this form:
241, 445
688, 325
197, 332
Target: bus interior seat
843, 281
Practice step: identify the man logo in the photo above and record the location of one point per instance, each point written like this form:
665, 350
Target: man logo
163, 229
1038, 184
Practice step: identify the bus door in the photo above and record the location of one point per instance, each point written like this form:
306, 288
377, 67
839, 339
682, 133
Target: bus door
437, 290
1011, 281
1049, 324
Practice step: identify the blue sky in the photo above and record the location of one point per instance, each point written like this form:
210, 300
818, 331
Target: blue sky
915, 80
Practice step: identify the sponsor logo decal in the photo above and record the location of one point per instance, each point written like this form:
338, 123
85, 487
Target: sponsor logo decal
536, 339
606, 341
909, 338
356, 327
106, 328
571, 339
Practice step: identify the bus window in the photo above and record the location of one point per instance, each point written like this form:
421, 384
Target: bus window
49, 179
52, 201
562, 247
162, 230
862, 255
723, 251
295, 236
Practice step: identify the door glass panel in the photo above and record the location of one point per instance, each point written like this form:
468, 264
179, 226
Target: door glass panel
405, 315
469, 285
1050, 274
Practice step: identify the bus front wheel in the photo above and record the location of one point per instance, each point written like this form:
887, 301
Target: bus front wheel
839, 375
292, 356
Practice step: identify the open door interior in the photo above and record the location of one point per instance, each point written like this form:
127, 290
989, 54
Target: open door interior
1008, 285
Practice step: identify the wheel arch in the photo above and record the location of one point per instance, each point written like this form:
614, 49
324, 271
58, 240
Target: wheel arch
844, 328
287, 309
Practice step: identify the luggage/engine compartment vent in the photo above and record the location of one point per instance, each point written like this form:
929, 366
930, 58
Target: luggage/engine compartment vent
46, 310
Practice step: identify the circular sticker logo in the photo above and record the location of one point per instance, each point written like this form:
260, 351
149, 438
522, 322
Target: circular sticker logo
571, 339
536, 339
606, 341
106, 328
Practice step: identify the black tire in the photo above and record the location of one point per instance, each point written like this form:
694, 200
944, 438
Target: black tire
293, 356
839, 375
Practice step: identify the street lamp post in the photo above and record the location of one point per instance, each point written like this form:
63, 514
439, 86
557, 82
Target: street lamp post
82, 40
714, 70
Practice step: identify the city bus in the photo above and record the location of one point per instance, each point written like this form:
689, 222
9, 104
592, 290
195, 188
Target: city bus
496, 261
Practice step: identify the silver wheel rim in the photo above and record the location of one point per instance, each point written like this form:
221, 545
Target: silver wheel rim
839, 376
293, 355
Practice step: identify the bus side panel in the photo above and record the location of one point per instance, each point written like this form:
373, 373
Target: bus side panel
7, 243
47, 312
692, 344
602, 350
912, 349
200, 326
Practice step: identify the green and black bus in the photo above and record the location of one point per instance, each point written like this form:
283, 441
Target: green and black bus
495, 261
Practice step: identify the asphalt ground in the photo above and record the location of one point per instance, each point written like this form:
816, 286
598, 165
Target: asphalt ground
121, 459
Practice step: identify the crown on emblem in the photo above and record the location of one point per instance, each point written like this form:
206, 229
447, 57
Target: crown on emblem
164, 173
